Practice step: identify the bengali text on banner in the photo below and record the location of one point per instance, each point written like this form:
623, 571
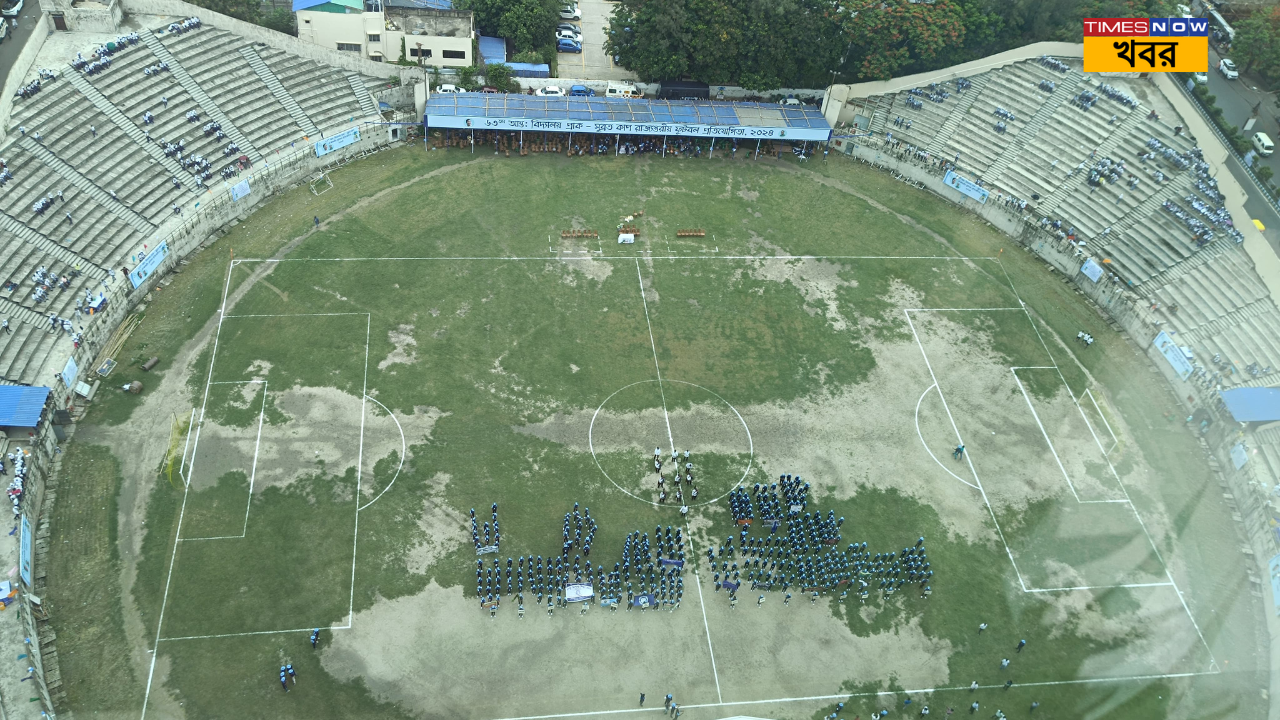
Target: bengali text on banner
1146, 45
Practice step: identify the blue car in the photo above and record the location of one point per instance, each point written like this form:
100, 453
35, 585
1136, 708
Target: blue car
581, 91
565, 45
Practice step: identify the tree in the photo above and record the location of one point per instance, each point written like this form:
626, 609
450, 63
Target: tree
247, 10
498, 77
1257, 42
650, 38
892, 34
529, 24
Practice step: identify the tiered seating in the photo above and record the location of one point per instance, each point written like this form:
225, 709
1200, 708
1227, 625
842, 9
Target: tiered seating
95, 233
134, 93
22, 260
976, 139
323, 92
211, 57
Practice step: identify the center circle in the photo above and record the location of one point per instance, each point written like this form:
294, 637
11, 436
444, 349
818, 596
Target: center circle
650, 414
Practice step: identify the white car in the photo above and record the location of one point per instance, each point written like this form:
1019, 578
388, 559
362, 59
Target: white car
1201, 78
11, 9
448, 89
1228, 69
1262, 143
549, 91
570, 12
791, 102
569, 35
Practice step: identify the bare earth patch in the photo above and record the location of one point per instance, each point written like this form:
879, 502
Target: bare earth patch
404, 354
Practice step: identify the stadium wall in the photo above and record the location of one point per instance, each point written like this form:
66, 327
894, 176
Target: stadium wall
21, 67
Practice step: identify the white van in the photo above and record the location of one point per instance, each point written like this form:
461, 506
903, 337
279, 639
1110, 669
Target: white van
1262, 143
622, 90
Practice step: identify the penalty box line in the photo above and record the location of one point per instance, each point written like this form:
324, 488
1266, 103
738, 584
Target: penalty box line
1213, 663
253, 466
999, 531
359, 472
646, 255
879, 693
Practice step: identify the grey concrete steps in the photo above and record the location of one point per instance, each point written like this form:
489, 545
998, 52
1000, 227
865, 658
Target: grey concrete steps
198, 94
1064, 91
367, 103
75, 178
1122, 131
13, 312
959, 112
49, 247
124, 123
273, 84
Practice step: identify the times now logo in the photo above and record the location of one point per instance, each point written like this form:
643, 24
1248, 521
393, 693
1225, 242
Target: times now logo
1145, 27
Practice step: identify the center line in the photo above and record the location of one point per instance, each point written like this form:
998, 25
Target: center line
657, 369
703, 606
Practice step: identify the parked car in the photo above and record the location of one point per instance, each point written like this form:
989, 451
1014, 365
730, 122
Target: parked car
487, 89
447, 89
569, 35
568, 46
570, 27
1201, 78
622, 90
570, 12
581, 91
11, 8
1228, 69
550, 91
1262, 143
791, 102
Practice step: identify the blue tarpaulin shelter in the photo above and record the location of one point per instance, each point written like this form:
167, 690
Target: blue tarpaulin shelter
20, 406
1253, 404
493, 50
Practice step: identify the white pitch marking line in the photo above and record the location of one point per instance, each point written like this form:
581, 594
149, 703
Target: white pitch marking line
164, 600
244, 634
1045, 433
403, 449
968, 458
500, 258
253, 469
1114, 440
656, 368
355, 534
191, 424
913, 691
1101, 587
703, 606
1213, 663
267, 315
926, 445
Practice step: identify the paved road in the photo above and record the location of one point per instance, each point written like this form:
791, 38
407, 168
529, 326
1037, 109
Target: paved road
593, 63
12, 45
1237, 99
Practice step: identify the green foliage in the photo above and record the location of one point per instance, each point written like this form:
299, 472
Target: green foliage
891, 34
467, 78
498, 77
527, 23
528, 56
280, 20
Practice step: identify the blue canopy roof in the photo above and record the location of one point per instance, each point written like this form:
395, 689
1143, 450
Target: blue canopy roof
493, 50
20, 406
1250, 404
625, 115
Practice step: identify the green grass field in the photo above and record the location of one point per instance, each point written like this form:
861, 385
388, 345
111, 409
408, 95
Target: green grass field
536, 373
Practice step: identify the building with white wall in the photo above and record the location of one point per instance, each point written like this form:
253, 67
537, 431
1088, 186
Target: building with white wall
419, 31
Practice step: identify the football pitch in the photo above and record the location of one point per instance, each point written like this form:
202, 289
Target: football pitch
437, 347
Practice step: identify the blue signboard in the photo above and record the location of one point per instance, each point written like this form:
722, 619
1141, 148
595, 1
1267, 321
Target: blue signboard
966, 186
139, 275
24, 552
337, 142
1173, 353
